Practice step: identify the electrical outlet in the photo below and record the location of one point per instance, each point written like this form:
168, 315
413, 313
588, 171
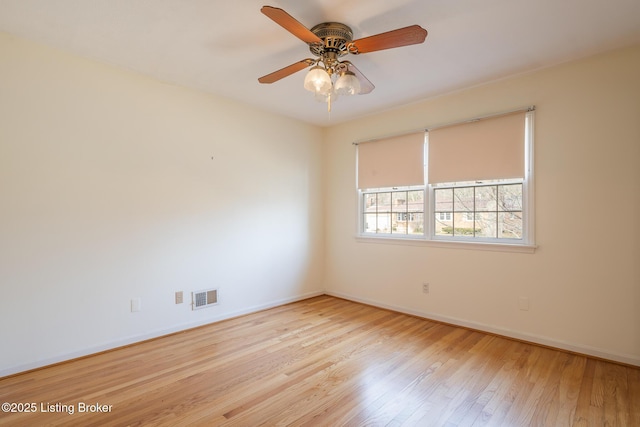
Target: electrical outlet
523, 303
425, 288
136, 305
179, 298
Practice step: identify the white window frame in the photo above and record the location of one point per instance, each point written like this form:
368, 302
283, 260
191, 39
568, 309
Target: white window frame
361, 213
525, 245
463, 238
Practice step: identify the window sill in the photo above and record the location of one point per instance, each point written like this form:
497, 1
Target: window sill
481, 246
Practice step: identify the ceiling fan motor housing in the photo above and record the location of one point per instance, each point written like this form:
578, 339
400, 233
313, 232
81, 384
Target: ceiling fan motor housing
335, 37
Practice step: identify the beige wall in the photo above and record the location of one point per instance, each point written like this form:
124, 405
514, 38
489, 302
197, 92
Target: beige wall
115, 186
583, 281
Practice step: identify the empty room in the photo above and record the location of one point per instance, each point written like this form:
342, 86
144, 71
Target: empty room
324, 213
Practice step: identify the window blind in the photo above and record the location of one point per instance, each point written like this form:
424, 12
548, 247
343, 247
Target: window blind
491, 148
391, 162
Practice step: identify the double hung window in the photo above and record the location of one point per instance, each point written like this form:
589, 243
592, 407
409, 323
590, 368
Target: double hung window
468, 182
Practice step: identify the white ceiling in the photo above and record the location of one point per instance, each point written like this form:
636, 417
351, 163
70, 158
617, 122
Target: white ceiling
222, 47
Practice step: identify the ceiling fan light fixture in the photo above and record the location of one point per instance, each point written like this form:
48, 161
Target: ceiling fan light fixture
328, 42
347, 84
332, 96
318, 80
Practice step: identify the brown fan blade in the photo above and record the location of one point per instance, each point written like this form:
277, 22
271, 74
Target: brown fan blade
290, 24
365, 85
286, 71
413, 34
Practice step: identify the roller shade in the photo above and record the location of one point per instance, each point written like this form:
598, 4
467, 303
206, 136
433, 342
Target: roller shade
491, 148
391, 162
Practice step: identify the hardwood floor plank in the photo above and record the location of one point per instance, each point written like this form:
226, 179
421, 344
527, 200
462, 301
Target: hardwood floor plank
329, 362
510, 384
633, 379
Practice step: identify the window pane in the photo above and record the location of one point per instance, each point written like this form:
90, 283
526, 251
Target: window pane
486, 199
466, 219
510, 225
369, 203
399, 227
384, 202
399, 199
369, 223
415, 201
483, 211
444, 224
510, 197
444, 199
486, 224
393, 212
463, 199
416, 223
384, 223
463, 227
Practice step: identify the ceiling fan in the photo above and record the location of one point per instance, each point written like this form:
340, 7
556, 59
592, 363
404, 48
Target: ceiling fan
329, 76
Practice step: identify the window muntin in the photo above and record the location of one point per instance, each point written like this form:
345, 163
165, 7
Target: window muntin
393, 211
479, 211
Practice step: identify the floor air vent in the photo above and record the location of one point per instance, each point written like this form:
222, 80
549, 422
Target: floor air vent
203, 299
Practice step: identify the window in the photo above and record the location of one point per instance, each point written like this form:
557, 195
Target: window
395, 211
478, 210
477, 185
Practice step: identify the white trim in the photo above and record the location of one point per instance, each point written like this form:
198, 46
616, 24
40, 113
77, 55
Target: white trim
360, 223
562, 345
509, 333
147, 336
529, 181
359, 213
448, 244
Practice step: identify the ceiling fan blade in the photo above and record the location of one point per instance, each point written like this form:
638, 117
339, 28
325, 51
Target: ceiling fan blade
406, 36
290, 24
286, 71
365, 85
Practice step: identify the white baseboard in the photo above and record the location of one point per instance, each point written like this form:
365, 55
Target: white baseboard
154, 334
549, 342
576, 348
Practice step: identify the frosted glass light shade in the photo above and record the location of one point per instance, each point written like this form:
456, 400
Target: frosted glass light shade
317, 80
325, 97
347, 84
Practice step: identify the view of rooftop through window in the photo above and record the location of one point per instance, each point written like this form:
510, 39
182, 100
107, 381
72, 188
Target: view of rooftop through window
486, 211
394, 212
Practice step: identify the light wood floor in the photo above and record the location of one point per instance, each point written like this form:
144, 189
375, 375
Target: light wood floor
330, 362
